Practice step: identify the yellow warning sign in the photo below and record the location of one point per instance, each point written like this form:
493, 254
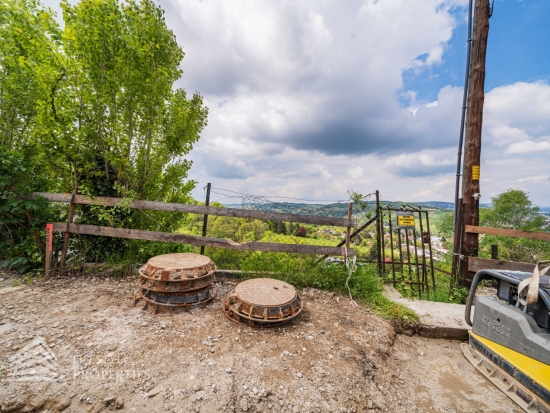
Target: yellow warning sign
475, 172
405, 221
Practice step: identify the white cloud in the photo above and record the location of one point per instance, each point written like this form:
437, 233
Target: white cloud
355, 172
528, 147
419, 164
522, 105
311, 75
303, 99
501, 134
538, 178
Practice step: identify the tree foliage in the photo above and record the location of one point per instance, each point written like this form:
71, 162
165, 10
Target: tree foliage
22, 219
513, 209
92, 107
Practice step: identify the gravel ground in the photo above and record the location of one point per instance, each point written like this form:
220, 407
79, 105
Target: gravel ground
110, 355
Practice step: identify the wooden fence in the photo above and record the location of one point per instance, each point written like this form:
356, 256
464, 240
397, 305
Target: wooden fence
74, 199
543, 236
475, 264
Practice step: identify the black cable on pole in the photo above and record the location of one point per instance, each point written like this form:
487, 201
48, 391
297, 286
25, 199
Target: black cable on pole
464, 108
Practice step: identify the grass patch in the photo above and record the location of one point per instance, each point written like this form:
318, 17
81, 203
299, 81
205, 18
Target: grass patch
440, 294
302, 272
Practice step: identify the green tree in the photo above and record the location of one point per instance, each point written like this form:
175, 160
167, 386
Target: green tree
446, 225
93, 107
30, 64
513, 209
127, 107
278, 227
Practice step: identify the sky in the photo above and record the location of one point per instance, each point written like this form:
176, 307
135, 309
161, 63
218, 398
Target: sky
313, 99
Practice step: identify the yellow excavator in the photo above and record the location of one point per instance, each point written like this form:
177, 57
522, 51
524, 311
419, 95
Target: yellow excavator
510, 338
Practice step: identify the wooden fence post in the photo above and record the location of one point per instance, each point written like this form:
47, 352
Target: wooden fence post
379, 245
205, 220
49, 248
348, 229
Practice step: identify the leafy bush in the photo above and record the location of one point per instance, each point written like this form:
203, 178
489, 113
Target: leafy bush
22, 220
513, 209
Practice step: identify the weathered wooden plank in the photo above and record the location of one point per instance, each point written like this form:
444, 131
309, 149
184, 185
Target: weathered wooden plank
475, 264
198, 209
65, 198
197, 240
544, 236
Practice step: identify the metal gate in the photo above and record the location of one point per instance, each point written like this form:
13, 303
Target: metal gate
406, 250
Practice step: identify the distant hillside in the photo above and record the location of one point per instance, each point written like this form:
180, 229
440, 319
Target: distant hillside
339, 210
436, 204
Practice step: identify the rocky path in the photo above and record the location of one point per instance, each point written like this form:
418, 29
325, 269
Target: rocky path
79, 345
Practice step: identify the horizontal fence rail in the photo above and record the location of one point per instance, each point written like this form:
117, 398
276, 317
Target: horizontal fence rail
544, 236
70, 228
196, 209
476, 264
197, 240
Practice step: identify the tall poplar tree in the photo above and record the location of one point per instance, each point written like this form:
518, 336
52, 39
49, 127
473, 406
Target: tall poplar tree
92, 107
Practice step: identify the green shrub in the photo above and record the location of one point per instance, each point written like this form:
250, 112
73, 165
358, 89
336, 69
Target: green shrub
303, 271
23, 220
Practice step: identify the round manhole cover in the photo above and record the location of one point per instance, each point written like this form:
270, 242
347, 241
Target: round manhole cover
177, 267
176, 281
263, 302
265, 292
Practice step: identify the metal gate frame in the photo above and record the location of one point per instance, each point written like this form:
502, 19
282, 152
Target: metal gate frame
419, 269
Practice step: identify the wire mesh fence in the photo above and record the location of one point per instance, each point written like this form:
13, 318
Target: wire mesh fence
363, 206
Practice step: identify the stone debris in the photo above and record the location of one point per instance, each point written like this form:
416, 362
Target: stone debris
109, 399
333, 357
153, 392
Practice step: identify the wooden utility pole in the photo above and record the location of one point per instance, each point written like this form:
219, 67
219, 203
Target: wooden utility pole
472, 146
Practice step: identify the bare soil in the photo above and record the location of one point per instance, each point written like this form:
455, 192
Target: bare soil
110, 355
